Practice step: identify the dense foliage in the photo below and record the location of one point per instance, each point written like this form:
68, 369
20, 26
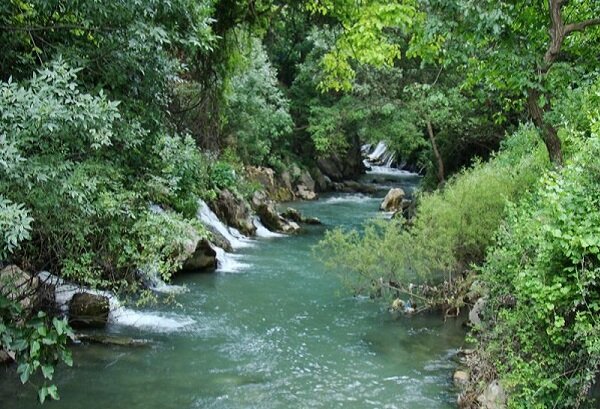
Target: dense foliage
451, 229
116, 118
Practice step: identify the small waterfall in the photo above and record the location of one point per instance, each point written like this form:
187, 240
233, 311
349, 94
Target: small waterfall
152, 279
377, 153
208, 217
262, 231
381, 161
226, 262
229, 263
119, 315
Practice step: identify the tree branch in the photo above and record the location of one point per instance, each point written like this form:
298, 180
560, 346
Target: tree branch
570, 28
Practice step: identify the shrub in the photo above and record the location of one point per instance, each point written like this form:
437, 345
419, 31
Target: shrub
546, 348
452, 227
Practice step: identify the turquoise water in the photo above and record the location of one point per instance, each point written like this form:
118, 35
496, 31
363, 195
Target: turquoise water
279, 333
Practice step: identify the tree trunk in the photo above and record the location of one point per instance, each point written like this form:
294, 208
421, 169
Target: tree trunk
558, 32
549, 133
436, 153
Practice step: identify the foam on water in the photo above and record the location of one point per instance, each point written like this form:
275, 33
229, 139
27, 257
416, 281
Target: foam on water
153, 281
349, 198
229, 263
262, 231
384, 170
208, 217
118, 315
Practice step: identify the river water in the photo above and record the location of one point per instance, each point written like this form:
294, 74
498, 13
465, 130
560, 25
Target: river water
276, 331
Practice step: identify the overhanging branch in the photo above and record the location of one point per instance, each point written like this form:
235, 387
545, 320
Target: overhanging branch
570, 28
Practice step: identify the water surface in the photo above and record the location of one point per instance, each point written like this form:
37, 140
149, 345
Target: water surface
279, 333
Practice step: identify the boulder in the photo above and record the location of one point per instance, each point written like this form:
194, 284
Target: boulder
311, 220
461, 378
234, 211
393, 200
494, 397
273, 221
476, 312
203, 257
18, 286
88, 310
307, 180
304, 193
264, 176
290, 227
268, 216
322, 182
346, 166
293, 214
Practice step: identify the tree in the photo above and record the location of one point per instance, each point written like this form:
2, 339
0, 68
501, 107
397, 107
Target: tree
532, 54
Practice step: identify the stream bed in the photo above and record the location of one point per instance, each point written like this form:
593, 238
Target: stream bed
276, 331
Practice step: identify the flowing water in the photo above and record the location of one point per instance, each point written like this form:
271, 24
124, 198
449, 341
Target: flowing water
273, 331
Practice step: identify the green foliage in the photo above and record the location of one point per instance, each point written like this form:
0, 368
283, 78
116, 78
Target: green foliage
162, 239
452, 227
364, 37
257, 111
547, 258
15, 225
38, 344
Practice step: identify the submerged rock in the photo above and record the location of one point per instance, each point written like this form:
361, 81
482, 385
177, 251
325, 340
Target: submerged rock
104, 339
88, 310
393, 200
352, 186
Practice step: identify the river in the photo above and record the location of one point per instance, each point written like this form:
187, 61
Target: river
276, 331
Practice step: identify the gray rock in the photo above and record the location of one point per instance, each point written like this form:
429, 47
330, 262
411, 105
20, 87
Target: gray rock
234, 211
6, 357
88, 310
20, 287
292, 214
304, 193
203, 257
311, 220
322, 182
461, 378
494, 397
393, 200
476, 312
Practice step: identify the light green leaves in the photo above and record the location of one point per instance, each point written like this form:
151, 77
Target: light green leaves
15, 226
365, 37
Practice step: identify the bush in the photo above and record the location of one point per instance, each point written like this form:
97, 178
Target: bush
257, 111
452, 227
546, 348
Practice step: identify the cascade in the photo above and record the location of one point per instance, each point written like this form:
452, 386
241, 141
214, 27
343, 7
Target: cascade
119, 315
